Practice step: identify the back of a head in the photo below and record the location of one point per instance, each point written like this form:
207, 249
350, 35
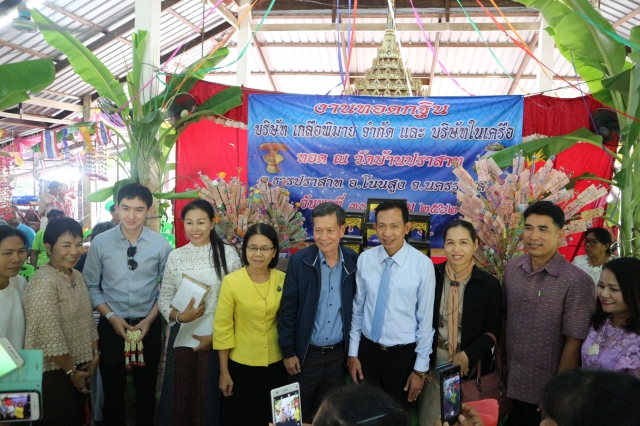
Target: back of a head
592, 398
100, 228
353, 405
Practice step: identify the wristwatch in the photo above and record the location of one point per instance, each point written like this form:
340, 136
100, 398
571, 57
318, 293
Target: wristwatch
421, 374
109, 315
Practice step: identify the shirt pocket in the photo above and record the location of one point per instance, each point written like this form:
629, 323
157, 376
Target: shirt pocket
404, 299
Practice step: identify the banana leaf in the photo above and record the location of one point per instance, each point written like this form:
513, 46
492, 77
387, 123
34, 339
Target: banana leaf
83, 61
101, 195
548, 146
188, 195
223, 101
22, 77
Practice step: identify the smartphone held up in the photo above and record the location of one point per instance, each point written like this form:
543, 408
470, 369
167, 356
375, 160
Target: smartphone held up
285, 405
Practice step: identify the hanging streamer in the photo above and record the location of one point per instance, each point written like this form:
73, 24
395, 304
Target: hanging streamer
339, 50
433, 51
611, 34
473, 24
351, 36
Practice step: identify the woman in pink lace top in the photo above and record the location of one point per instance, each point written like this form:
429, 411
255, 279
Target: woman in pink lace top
613, 342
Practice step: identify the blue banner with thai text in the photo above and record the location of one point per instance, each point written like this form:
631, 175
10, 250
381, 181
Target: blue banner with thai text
346, 149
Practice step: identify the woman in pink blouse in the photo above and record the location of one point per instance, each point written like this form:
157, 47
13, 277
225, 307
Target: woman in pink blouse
613, 342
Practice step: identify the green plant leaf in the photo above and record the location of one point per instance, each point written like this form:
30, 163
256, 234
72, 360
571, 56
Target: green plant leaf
189, 195
101, 195
619, 83
20, 77
83, 61
223, 101
549, 146
169, 167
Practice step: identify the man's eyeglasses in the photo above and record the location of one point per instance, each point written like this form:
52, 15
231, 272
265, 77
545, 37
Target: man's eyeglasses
590, 242
131, 251
262, 249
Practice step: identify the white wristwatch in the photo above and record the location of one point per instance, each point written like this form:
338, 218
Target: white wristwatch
109, 315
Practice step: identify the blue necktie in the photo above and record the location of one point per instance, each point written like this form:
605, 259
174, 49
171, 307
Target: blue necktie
381, 301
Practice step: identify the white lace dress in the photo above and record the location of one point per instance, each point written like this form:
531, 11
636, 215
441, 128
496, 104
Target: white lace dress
197, 263
582, 262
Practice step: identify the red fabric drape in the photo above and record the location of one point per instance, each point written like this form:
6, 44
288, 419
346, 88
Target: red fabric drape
206, 146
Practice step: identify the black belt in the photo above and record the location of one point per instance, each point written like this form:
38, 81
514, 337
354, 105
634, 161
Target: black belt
389, 348
326, 349
133, 321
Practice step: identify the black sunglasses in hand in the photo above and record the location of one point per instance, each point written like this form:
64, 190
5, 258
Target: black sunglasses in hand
131, 251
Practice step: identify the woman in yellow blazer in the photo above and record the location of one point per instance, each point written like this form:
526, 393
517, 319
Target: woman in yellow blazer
245, 331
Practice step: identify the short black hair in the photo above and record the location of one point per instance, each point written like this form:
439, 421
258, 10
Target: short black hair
360, 405
267, 231
546, 208
327, 209
7, 231
582, 397
394, 204
61, 226
54, 214
54, 184
626, 271
112, 208
602, 236
461, 223
100, 228
135, 190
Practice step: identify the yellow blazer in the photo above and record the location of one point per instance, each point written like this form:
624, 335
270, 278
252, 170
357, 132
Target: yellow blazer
247, 324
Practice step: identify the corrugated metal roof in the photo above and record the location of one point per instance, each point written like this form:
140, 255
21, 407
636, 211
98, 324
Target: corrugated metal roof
306, 61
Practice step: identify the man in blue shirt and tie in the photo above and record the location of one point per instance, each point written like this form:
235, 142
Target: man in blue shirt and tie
391, 326
122, 271
315, 311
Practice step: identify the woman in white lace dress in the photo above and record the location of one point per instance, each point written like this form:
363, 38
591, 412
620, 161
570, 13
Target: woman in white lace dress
597, 245
190, 395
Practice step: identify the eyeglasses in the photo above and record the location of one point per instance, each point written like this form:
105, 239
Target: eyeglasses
256, 248
131, 251
590, 242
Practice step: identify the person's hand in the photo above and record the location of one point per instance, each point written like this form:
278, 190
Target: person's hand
91, 367
226, 384
206, 343
79, 380
190, 313
292, 365
120, 326
462, 360
414, 386
355, 369
143, 326
469, 417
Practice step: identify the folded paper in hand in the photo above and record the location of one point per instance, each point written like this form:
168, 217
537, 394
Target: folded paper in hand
189, 289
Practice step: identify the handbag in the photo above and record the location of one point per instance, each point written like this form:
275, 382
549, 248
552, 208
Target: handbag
489, 386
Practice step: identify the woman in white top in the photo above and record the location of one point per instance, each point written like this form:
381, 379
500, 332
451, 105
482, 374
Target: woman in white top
597, 244
190, 395
13, 254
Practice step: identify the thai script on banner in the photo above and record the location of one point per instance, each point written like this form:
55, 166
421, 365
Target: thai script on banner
346, 149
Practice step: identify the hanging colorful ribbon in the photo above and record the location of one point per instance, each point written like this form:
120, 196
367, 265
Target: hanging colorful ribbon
611, 34
433, 51
339, 50
351, 36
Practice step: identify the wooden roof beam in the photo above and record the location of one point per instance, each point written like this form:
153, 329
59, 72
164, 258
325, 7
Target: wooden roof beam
76, 18
184, 20
626, 18
265, 65
48, 103
532, 46
434, 61
25, 50
413, 27
35, 118
25, 123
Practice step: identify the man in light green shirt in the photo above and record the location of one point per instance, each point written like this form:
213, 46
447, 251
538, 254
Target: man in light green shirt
39, 254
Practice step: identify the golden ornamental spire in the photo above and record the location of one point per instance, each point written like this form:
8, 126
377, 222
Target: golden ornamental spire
387, 76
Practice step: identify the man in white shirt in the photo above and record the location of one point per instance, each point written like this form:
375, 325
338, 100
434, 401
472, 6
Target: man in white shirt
391, 326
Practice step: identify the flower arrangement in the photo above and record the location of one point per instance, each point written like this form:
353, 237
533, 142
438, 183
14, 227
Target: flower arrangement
495, 207
238, 209
6, 160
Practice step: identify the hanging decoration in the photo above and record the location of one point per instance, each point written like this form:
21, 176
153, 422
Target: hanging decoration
6, 160
265, 203
495, 204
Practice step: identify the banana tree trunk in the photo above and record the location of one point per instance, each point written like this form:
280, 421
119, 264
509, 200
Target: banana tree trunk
149, 176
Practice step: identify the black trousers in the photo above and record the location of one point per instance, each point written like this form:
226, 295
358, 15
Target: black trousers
524, 414
114, 374
320, 373
250, 404
389, 369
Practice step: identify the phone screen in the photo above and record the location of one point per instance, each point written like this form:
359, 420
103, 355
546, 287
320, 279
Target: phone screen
7, 363
18, 406
287, 409
450, 393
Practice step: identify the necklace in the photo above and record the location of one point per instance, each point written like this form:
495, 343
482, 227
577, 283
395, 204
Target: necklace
594, 349
256, 286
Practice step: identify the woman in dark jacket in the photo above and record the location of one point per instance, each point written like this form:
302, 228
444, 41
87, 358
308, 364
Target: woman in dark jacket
467, 309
